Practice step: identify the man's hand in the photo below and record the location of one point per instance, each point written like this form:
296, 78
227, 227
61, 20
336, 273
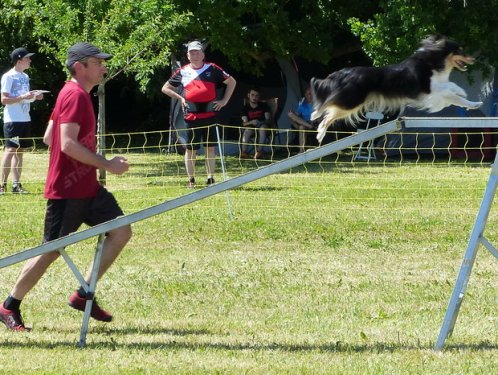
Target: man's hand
117, 165
219, 104
27, 97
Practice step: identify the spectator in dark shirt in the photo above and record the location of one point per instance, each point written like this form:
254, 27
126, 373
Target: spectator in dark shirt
256, 116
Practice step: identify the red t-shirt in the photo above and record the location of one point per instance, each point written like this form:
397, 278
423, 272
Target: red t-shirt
68, 178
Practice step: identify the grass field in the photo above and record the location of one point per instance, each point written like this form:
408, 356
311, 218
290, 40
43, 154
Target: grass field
329, 269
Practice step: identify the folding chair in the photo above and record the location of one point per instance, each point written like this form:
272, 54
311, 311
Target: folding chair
273, 130
365, 150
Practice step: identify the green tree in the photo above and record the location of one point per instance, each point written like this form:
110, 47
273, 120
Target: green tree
250, 32
140, 34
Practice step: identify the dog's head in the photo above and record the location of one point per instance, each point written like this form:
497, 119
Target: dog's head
451, 51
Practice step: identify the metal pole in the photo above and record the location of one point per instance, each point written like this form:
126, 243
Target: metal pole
468, 260
101, 130
222, 160
90, 289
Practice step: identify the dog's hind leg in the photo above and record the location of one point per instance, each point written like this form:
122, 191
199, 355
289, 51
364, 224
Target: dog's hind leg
332, 114
322, 128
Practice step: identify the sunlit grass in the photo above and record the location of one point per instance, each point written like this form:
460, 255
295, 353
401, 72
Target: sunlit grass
341, 268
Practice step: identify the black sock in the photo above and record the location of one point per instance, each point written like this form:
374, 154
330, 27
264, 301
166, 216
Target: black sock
81, 292
12, 304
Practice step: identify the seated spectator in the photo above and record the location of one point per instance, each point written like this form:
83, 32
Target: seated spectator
301, 118
255, 115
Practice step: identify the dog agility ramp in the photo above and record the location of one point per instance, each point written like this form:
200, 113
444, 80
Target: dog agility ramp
101, 229
450, 122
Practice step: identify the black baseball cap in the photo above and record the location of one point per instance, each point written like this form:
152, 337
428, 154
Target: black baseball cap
81, 50
19, 53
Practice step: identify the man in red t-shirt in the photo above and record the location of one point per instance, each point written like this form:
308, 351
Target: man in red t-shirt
199, 81
73, 192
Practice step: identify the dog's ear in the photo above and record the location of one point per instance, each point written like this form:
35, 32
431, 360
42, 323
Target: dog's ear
434, 41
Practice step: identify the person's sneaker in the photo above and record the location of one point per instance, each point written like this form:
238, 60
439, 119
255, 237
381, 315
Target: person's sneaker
3, 187
79, 303
245, 155
18, 189
210, 181
258, 155
191, 183
12, 319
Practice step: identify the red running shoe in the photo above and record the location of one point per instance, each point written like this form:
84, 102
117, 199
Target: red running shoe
78, 303
12, 319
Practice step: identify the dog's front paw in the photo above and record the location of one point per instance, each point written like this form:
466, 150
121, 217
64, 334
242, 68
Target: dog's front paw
474, 105
460, 92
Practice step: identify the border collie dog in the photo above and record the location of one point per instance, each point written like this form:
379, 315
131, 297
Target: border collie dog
421, 81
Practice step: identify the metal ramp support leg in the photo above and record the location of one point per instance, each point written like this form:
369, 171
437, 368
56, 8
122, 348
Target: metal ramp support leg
476, 237
90, 289
369, 150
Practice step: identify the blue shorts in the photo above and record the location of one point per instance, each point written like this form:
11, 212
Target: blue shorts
201, 130
16, 134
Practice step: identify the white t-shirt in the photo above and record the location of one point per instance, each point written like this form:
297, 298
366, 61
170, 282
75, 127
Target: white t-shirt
15, 84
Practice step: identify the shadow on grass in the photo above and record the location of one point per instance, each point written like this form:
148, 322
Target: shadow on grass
168, 168
333, 347
259, 188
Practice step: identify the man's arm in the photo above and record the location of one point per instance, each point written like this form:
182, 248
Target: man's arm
47, 137
230, 82
170, 90
247, 122
299, 120
73, 148
7, 99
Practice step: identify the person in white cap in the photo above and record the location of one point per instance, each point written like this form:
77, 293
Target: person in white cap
16, 97
74, 194
199, 81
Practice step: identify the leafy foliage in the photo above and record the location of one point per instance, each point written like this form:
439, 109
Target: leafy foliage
144, 34
138, 33
394, 32
250, 32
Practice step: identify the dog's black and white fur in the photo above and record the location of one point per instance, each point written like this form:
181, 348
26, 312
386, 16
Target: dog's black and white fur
421, 81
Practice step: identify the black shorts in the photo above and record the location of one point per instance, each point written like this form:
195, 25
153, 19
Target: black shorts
201, 130
17, 134
64, 216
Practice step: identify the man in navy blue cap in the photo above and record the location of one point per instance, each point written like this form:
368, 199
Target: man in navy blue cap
74, 194
16, 97
82, 50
